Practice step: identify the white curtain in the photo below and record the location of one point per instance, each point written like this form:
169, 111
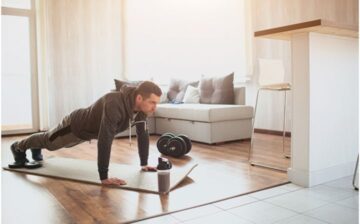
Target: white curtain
80, 53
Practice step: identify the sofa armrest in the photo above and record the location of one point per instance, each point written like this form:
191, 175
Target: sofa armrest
239, 93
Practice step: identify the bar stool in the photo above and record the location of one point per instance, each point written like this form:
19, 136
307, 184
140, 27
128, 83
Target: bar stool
271, 78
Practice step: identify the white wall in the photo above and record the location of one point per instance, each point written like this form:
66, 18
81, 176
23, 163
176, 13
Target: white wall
185, 39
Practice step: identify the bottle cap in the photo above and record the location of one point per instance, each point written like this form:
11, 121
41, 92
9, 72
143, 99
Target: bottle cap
164, 164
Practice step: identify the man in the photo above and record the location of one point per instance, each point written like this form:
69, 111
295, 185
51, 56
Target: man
109, 115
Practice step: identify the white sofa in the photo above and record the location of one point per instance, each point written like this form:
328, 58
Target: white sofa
207, 123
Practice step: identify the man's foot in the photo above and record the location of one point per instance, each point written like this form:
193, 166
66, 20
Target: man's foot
19, 157
16, 165
36, 154
21, 160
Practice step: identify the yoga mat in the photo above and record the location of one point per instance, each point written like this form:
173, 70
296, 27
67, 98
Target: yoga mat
86, 171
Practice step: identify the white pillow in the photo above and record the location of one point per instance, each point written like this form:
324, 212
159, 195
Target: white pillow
163, 98
192, 95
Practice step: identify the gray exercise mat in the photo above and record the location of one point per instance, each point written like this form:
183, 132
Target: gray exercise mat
86, 171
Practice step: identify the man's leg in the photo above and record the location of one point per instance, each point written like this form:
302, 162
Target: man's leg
36, 154
54, 139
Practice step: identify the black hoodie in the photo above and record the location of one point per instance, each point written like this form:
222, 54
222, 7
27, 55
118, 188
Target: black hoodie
105, 118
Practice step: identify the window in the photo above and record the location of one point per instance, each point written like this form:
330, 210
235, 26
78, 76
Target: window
19, 4
18, 72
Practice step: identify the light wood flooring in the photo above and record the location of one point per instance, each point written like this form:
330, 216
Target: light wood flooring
223, 172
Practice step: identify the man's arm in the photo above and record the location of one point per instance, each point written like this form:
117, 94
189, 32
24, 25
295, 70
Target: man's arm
142, 134
143, 145
105, 138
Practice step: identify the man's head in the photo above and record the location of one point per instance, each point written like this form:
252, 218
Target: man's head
147, 96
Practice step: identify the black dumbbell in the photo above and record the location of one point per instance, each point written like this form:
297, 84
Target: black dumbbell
187, 142
162, 143
176, 147
171, 145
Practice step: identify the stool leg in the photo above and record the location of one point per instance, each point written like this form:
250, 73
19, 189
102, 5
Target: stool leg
284, 125
355, 174
252, 142
253, 123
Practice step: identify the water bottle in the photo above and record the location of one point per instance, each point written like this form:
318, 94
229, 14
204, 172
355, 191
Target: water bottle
163, 171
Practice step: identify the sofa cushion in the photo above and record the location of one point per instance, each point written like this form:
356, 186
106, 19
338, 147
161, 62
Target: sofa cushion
177, 89
192, 95
120, 83
217, 90
204, 112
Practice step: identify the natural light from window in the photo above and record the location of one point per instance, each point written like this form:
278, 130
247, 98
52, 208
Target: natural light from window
15, 73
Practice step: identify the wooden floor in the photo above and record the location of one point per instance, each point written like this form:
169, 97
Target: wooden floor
223, 172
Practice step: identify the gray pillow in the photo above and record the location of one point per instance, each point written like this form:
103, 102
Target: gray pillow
120, 83
217, 90
177, 89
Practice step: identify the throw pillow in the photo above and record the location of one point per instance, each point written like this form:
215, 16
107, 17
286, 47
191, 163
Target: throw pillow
120, 83
217, 90
163, 98
192, 95
177, 89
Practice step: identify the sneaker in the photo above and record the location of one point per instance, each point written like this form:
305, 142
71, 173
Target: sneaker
36, 154
19, 157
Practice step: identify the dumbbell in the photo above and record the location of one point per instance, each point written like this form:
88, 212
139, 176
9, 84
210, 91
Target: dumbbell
163, 142
176, 147
187, 142
172, 145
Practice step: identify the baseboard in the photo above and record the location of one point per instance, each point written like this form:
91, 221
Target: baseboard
19, 134
272, 132
311, 178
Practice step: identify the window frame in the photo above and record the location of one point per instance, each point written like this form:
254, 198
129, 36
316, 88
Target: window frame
31, 15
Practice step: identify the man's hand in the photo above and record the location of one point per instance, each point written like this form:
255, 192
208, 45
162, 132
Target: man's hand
148, 168
113, 181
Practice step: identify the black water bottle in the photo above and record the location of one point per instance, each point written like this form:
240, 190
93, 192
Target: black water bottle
163, 171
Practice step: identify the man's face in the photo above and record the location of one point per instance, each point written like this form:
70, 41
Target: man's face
148, 106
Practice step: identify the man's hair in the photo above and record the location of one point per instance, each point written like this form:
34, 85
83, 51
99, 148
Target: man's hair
146, 88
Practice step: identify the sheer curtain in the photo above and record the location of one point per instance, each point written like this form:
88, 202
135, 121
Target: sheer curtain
80, 50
